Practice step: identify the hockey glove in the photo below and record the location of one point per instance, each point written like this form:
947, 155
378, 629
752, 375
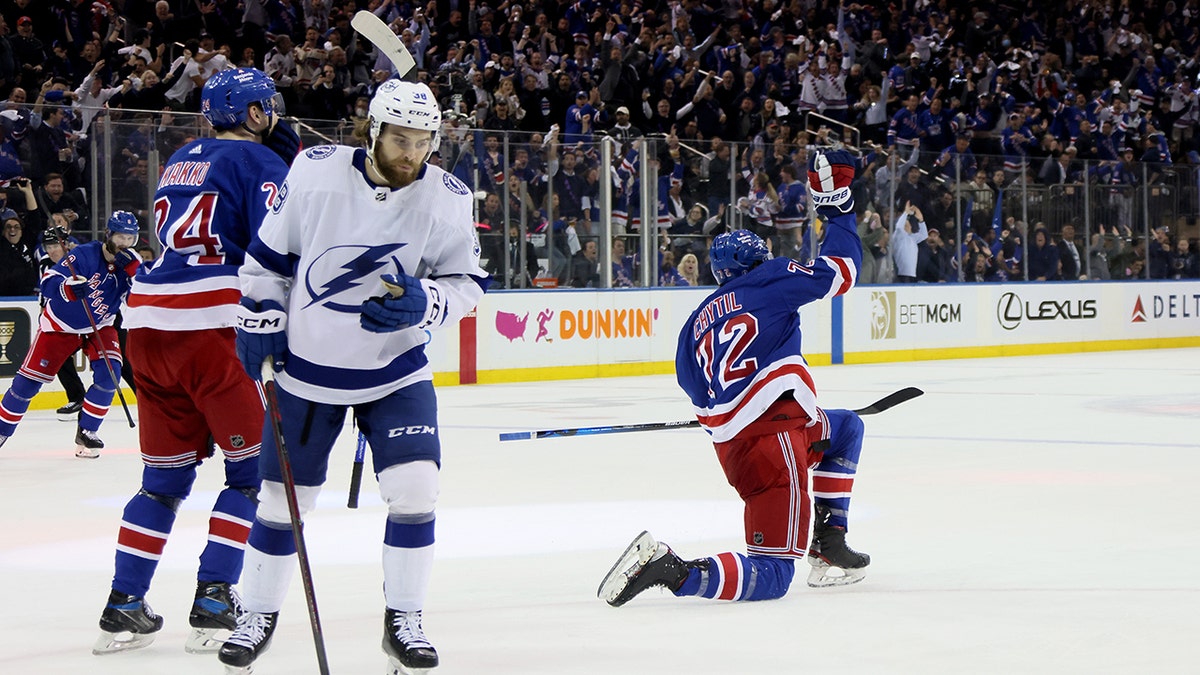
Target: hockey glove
283, 141
74, 288
407, 304
829, 176
128, 260
261, 334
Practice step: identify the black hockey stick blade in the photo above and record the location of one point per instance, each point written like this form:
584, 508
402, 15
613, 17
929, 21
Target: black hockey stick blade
893, 399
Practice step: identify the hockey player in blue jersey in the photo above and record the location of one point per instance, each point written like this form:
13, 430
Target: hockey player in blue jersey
194, 399
101, 278
346, 220
740, 362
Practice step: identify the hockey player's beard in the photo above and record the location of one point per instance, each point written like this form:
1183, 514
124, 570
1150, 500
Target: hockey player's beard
112, 248
396, 176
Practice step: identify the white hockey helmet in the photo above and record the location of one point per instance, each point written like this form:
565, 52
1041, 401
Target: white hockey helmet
405, 104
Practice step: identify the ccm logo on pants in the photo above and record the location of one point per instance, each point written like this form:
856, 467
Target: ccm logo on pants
415, 430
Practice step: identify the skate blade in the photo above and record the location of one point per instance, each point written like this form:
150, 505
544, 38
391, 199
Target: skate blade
239, 670
397, 668
638, 553
114, 643
824, 575
86, 453
206, 640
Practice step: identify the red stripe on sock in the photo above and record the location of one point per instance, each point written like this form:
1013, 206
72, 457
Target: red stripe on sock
827, 484
142, 542
219, 527
732, 580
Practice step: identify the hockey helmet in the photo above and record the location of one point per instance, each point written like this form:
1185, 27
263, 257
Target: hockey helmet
227, 94
406, 104
122, 222
736, 253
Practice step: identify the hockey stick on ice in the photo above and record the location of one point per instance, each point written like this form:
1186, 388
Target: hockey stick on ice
879, 406
380, 34
99, 341
289, 489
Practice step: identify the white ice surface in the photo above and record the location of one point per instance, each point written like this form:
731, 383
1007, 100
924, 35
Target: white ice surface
1027, 515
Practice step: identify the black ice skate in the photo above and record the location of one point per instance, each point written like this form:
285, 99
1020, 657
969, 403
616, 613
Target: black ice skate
70, 411
249, 640
645, 564
214, 615
127, 622
87, 444
828, 554
408, 650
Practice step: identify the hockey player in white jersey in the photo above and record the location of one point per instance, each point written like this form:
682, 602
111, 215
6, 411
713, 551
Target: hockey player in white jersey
345, 222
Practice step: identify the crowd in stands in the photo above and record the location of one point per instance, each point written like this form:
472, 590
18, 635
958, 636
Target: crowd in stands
965, 112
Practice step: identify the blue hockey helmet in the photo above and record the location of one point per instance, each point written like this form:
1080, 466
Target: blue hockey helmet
735, 253
227, 94
123, 222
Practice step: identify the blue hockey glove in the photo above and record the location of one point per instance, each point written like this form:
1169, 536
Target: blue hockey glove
261, 333
74, 288
829, 176
392, 312
128, 260
283, 141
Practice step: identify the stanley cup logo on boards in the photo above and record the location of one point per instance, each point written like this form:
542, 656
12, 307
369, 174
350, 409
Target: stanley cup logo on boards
7, 330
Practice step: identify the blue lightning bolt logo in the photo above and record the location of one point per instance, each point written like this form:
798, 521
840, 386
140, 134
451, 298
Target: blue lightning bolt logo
363, 266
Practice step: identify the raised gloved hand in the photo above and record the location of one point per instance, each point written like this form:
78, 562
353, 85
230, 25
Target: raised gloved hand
261, 333
406, 304
829, 176
283, 141
74, 288
128, 260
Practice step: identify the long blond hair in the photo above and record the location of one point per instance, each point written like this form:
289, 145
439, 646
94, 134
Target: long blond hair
690, 272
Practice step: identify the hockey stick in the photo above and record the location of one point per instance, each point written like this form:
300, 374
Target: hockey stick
380, 34
99, 341
356, 473
879, 406
289, 489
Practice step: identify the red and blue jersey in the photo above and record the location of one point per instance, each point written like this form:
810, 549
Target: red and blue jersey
741, 350
107, 284
211, 199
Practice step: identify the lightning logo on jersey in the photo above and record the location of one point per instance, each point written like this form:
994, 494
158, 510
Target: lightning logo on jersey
363, 264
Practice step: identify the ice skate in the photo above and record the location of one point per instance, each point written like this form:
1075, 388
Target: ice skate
127, 622
214, 616
70, 411
833, 562
249, 640
87, 444
2, 439
404, 641
645, 564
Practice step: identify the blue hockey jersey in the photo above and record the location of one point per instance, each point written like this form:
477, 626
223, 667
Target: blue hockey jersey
107, 284
741, 350
211, 198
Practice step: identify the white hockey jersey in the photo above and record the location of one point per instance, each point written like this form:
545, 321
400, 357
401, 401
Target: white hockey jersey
322, 247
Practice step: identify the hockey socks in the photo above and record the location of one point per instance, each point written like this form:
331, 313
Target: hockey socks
270, 563
407, 560
145, 526
733, 576
95, 406
228, 530
15, 403
833, 476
